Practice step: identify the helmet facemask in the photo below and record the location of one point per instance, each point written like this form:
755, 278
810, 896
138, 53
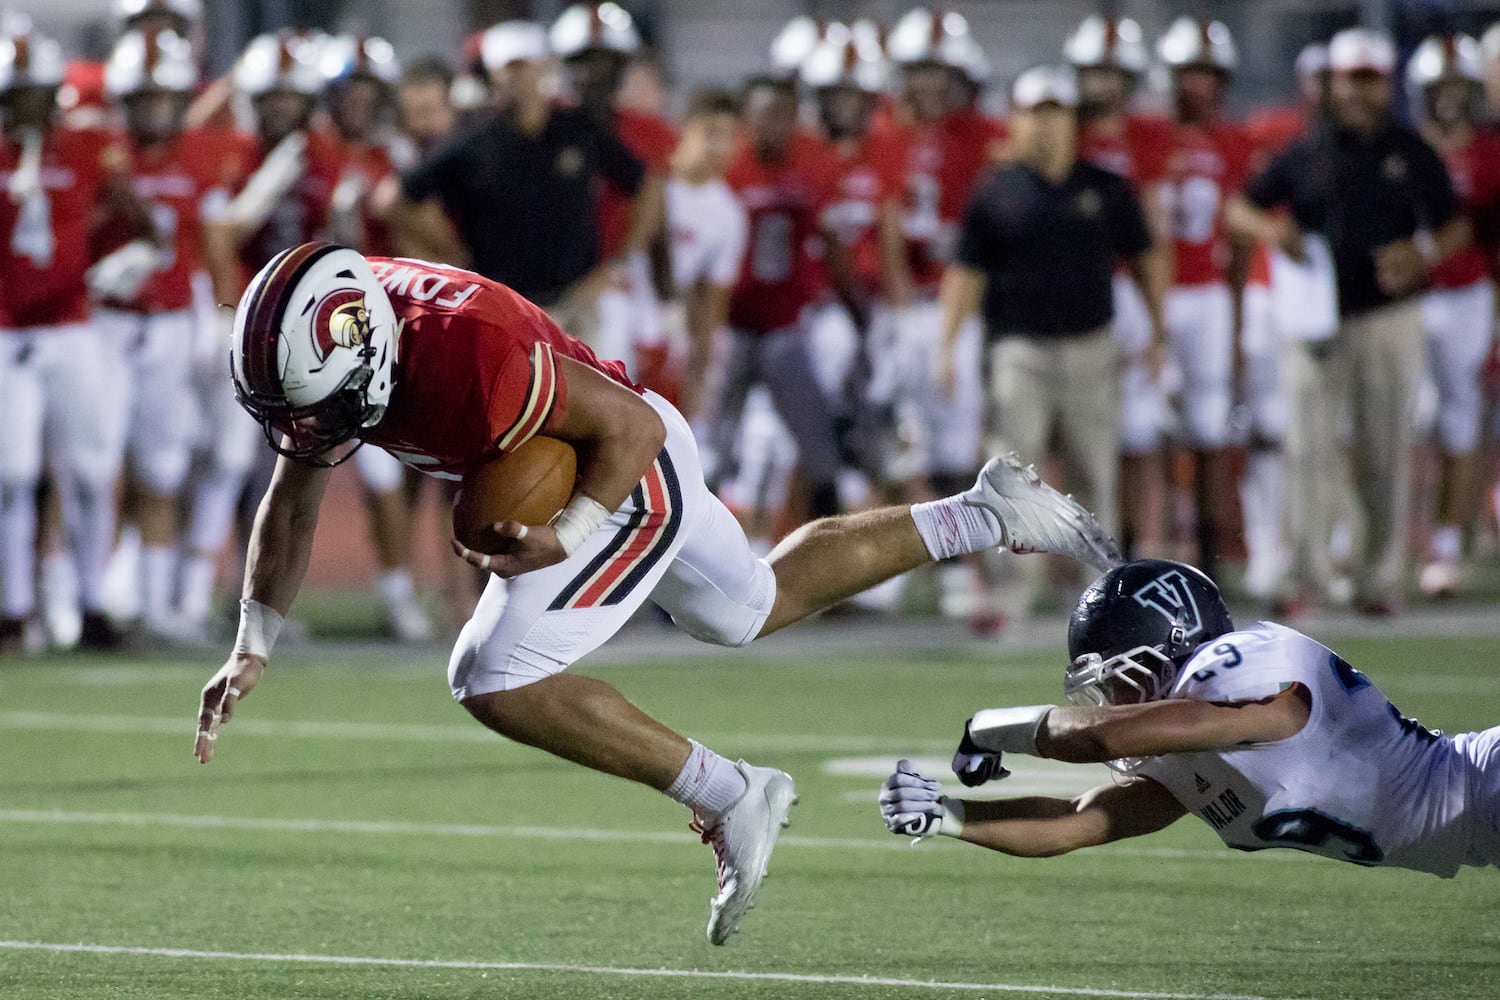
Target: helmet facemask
309, 433
1134, 677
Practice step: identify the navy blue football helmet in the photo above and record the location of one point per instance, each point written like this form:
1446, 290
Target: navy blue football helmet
1135, 626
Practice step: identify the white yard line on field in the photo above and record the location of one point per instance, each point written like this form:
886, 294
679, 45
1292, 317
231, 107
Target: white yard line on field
415, 732
400, 827
607, 970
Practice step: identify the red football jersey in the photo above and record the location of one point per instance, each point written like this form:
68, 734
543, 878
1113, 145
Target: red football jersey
1475, 171
652, 140
1272, 130
943, 162
369, 162
784, 203
1206, 167
1138, 152
476, 368
173, 179
303, 214
45, 240
868, 181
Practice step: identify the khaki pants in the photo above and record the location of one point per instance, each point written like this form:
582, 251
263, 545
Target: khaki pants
1361, 385
1067, 388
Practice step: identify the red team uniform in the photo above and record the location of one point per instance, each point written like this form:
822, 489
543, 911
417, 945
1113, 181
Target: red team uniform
943, 162
303, 214
867, 182
365, 164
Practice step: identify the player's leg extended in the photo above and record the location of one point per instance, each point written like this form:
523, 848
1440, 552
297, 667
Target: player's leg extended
21, 409
1202, 332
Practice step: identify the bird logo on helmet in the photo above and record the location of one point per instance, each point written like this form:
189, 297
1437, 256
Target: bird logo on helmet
341, 319
1135, 626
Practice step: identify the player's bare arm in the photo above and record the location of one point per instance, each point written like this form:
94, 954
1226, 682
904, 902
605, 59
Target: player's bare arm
617, 436
895, 265
958, 296
845, 283
707, 308
1277, 231
275, 563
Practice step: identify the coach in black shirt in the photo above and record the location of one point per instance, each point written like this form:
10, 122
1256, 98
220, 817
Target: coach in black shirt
1382, 199
1038, 248
522, 186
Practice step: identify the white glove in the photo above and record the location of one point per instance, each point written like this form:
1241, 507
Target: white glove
268, 185
119, 276
913, 806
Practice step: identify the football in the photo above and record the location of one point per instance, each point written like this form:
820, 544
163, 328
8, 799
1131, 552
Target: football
529, 486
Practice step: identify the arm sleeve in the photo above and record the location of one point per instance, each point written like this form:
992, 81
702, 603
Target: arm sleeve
526, 396
724, 270
979, 245
619, 165
1132, 236
1434, 187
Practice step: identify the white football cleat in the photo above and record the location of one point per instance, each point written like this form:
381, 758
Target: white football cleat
743, 839
1036, 518
408, 622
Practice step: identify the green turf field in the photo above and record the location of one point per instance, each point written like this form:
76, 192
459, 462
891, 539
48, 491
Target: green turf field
354, 812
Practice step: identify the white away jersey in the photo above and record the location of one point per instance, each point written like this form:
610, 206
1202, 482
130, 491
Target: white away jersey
1359, 783
708, 230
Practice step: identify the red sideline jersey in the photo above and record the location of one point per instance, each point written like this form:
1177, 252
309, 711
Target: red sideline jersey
652, 141
303, 214
477, 372
45, 240
943, 162
368, 162
1137, 152
1271, 130
868, 181
784, 203
174, 180
1206, 167
1475, 170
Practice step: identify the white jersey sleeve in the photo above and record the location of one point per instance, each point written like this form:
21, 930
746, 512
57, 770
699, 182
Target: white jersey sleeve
1359, 783
724, 271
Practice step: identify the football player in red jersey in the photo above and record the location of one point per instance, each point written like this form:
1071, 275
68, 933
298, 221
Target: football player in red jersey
450, 370
1109, 55
785, 178
1444, 79
360, 73
1207, 163
146, 296
948, 144
284, 190
596, 42
55, 367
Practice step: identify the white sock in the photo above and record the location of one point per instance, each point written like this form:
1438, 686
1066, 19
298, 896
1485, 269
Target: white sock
708, 784
396, 587
1446, 544
60, 582
198, 588
158, 566
88, 510
950, 527
17, 549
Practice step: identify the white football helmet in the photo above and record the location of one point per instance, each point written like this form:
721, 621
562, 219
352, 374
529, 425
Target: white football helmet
1312, 60
923, 35
187, 12
848, 59
141, 62
314, 350
344, 56
1445, 57
28, 59
585, 27
1191, 42
1355, 49
1110, 42
283, 61
794, 43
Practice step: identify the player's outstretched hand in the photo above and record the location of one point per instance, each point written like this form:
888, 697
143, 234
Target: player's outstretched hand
911, 803
235, 679
521, 550
974, 765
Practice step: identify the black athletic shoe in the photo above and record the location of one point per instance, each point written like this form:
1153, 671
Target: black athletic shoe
12, 636
99, 633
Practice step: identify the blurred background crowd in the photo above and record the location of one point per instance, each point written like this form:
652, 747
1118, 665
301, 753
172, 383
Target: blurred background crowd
1227, 277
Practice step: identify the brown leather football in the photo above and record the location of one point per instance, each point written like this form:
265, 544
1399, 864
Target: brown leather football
529, 486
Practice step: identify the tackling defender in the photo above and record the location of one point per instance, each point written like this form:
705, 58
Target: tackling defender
1268, 736
446, 370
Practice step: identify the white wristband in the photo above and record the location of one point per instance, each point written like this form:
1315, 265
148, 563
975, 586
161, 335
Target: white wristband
952, 824
1009, 730
577, 521
260, 624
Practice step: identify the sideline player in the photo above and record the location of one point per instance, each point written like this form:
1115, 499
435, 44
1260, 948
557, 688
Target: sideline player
1444, 79
1110, 57
55, 367
1265, 734
146, 299
318, 336
1208, 162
